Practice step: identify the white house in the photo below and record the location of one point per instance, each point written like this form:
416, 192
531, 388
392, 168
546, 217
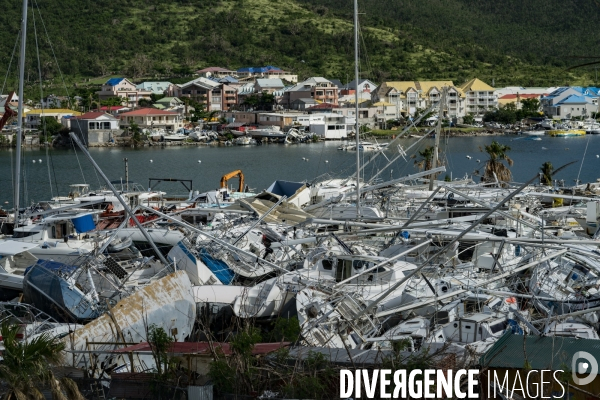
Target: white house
268, 85
152, 118
125, 89
365, 87
479, 97
552, 107
575, 106
328, 126
95, 127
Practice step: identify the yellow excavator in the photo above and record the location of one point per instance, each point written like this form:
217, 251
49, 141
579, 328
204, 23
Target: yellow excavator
233, 174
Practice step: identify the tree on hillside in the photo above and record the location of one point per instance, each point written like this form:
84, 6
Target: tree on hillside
156, 97
145, 103
494, 167
113, 101
27, 367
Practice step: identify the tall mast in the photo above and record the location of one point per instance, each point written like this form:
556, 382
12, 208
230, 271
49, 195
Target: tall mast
357, 133
438, 130
20, 110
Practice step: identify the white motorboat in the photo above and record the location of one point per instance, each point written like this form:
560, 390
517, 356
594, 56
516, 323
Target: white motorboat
59, 237
175, 137
202, 136
156, 134
364, 146
266, 131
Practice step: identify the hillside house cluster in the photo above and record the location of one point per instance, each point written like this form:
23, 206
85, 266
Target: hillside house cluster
236, 94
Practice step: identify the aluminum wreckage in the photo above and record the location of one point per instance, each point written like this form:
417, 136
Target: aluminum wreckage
361, 264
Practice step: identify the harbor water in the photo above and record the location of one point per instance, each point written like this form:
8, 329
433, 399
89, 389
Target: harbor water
262, 165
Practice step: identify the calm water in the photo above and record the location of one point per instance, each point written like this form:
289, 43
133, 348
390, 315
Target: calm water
264, 164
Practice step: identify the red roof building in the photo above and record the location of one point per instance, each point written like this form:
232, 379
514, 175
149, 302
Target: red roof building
152, 118
114, 110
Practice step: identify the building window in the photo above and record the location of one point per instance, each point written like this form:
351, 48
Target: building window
319, 93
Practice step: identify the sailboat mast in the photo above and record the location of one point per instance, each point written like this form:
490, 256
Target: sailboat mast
356, 130
20, 111
438, 130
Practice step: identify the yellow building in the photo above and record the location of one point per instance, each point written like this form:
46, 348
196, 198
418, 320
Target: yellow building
479, 97
409, 96
34, 117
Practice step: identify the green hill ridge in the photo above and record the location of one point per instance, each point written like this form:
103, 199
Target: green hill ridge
507, 42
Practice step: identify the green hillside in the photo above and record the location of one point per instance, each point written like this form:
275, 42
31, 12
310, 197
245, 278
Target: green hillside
508, 41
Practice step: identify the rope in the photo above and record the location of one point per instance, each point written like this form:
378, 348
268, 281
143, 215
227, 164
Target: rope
10, 63
64, 85
583, 159
43, 118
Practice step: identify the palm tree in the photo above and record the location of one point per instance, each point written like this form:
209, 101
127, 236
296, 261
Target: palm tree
494, 167
27, 365
547, 172
426, 160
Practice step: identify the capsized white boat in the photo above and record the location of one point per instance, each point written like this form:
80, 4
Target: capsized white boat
166, 303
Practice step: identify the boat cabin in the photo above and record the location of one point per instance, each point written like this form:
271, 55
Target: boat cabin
347, 266
59, 227
474, 328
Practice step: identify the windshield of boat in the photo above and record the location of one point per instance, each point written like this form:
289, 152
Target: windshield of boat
22, 234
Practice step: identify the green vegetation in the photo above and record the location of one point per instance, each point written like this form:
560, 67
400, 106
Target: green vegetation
509, 114
263, 101
137, 139
26, 367
50, 127
547, 171
165, 372
495, 170
426, 160
469, 119
505, 42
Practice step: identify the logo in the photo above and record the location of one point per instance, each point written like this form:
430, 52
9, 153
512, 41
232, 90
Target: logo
584, 363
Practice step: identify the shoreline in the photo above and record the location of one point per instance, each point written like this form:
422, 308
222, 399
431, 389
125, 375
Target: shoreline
126, 142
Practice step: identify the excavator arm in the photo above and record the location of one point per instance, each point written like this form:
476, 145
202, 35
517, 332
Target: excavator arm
8, 112
233, 174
